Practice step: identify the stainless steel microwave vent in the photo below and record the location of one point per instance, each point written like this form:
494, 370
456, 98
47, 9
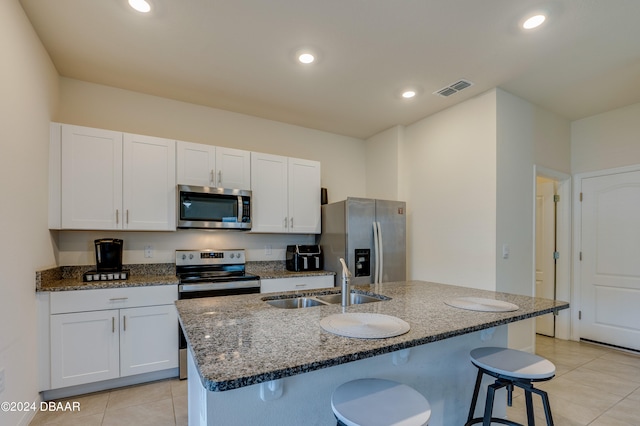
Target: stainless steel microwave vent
453, 88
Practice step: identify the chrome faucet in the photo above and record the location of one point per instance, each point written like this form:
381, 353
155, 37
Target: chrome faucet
346, 288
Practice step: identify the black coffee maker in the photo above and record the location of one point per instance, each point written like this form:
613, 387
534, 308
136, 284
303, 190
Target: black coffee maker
108, 255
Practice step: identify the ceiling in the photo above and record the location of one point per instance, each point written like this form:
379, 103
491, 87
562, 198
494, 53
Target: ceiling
238, 55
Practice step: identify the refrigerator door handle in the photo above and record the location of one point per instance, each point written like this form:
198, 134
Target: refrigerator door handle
380, 253
376, 250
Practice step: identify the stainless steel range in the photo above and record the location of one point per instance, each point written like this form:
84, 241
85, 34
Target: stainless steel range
211, 273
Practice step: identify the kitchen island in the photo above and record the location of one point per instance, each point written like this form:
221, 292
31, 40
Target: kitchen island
252, 363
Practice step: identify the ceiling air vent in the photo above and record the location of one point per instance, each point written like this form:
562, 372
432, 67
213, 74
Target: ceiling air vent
453, 88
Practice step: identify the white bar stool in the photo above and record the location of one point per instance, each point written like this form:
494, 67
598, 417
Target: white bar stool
379, 402
510, 368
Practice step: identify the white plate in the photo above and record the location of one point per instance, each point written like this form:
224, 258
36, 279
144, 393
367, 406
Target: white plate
364, 325
482, 304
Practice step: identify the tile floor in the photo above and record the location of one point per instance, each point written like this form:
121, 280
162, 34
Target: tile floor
594, 385
162, 403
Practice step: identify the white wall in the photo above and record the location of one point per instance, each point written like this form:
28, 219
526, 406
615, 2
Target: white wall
467, 174
383, 162
28, 83
606, 141
447, 176
93, 105
515, 197
527, 135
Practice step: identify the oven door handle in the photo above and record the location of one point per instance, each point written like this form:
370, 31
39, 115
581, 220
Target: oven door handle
189, 288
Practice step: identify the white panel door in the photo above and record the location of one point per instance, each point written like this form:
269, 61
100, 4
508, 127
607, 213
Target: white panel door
545, 247
148, 339
195, 164
304, 196
269, 193
233, 168
84, 348
610, 267
91, 178
149, 183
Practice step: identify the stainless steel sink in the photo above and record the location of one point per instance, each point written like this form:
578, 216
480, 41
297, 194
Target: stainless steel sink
356, 298
297, 302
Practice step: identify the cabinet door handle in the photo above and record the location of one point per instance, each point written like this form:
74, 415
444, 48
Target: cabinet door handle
212, 178
219, 177
116, 299
286, 222
124, 323
113, 324
117, 216
291, 223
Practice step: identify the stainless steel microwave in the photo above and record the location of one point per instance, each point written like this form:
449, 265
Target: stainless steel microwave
213, 208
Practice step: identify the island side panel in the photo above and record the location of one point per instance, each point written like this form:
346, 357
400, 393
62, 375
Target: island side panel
441, 371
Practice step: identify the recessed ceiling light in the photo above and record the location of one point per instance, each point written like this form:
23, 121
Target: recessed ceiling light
533, 22
306, 58
140, 5
408, 94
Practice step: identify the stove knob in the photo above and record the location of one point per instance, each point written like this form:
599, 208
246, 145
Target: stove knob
232, 256
191, 256
184, 256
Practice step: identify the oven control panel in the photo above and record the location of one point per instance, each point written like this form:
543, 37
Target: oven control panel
209, 257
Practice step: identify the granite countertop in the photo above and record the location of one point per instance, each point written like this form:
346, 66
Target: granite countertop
133, 281
241, 340
65, 278
277, 269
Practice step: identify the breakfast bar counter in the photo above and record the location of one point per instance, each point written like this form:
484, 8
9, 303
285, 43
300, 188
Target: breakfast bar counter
250, 361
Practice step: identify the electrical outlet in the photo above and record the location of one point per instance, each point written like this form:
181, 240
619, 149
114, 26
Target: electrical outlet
148, 252
2, 380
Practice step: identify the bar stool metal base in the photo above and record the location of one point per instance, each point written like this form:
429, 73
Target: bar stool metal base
503, 381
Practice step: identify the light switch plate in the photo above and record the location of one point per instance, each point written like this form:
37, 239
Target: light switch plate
505, 251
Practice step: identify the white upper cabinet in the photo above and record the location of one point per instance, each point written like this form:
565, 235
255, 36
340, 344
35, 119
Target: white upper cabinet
233, 168
196, 164
304, 196
269, 193
91, 178
286, 194
111, 180
149, 184
206, 165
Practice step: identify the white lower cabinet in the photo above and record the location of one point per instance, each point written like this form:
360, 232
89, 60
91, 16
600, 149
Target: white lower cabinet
84, 348
97, 345
296, 283
142, 348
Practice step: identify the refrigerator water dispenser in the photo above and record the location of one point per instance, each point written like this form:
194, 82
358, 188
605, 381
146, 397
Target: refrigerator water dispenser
363, 262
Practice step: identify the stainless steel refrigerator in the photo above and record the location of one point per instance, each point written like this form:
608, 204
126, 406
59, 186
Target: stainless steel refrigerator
370, 235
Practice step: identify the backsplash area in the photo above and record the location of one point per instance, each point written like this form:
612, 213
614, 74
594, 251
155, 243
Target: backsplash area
77, 247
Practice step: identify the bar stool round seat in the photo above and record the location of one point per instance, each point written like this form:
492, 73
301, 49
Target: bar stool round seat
379, 402
510, 368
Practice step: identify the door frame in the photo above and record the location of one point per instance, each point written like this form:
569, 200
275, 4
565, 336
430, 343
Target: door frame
577, 239
564, 319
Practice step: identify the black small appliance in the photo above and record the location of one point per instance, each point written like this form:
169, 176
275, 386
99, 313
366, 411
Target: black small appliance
108, 255
304, 258
108, 262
